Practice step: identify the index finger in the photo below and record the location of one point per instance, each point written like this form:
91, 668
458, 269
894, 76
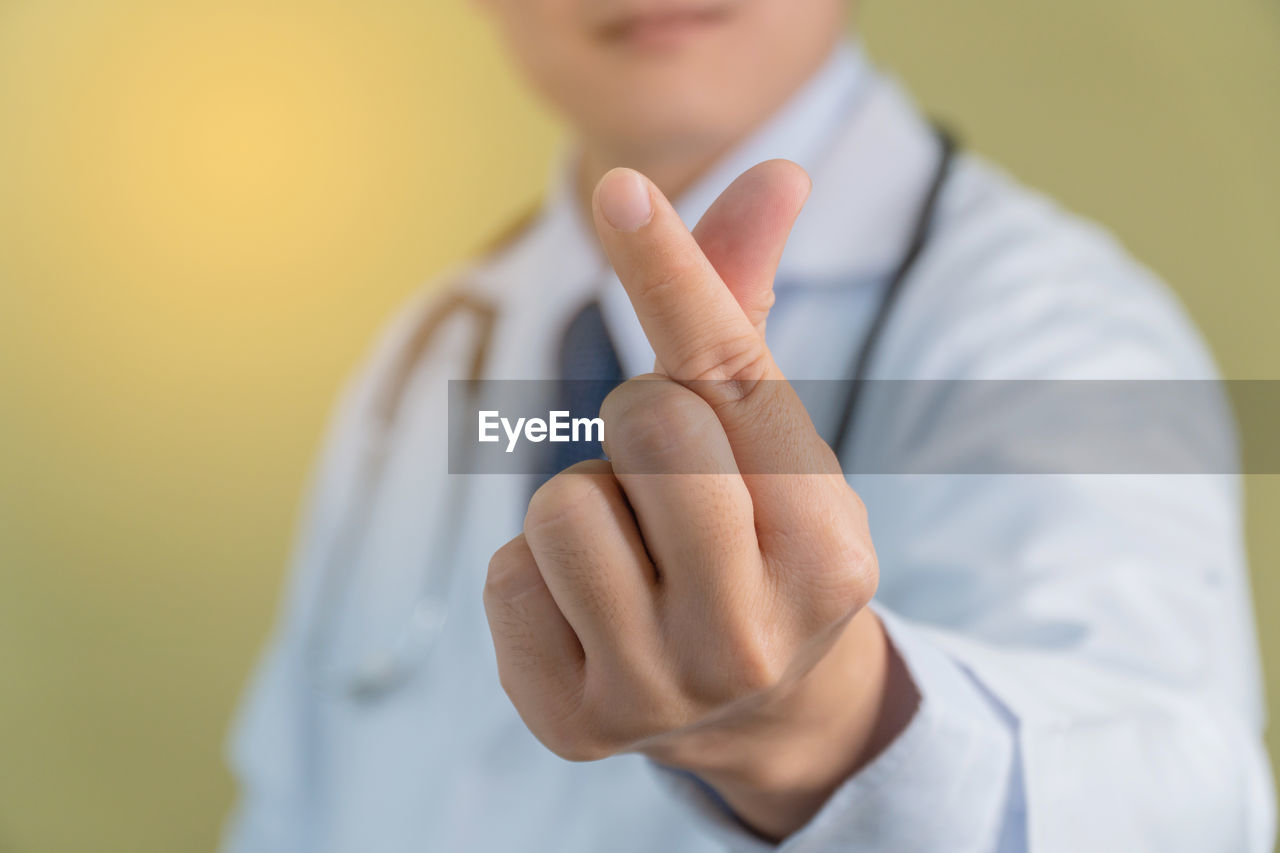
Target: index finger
696, 326
704, 340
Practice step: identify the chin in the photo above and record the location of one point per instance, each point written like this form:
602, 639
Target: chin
667, 109
668, 133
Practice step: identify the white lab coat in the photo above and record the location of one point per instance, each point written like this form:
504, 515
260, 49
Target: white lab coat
1083, 644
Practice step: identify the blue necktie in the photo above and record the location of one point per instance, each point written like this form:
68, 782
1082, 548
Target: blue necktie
588, 369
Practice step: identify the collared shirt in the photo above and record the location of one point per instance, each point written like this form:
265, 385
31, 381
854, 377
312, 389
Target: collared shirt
1083, 645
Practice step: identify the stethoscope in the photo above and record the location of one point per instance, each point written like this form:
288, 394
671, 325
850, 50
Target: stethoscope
377, 673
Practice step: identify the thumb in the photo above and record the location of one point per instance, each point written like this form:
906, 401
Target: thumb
745, 230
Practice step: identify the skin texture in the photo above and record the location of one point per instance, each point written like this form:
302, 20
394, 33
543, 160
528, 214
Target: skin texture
714, 621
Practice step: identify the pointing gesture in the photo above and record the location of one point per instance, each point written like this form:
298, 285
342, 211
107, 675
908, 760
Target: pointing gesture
714, 621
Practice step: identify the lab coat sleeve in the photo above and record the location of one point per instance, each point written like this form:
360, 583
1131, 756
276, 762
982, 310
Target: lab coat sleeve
1082, 643
274, 745
948, 782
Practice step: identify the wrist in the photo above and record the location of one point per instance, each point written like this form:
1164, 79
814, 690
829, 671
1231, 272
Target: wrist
776, 774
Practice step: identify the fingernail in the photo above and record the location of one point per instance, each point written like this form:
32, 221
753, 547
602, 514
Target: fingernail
624, 199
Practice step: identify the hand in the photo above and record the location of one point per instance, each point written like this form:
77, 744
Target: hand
714, 621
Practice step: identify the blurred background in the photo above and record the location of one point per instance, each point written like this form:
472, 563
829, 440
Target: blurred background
208, 208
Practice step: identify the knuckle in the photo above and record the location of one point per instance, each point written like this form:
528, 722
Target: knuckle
836, 561
655, 426
575, 739
634, 395
681, 410
755, 673
564, 496
848, 579
579, 750
857, 505
857, 583
512, 572
855, 555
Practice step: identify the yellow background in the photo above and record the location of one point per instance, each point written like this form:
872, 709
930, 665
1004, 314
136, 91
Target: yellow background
206, 209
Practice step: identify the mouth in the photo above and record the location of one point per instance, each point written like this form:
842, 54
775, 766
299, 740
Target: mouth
664, 28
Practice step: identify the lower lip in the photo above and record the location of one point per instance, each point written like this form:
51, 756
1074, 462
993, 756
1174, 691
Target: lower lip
665, 33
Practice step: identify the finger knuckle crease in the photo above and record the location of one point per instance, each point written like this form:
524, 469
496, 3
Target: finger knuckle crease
732, 370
